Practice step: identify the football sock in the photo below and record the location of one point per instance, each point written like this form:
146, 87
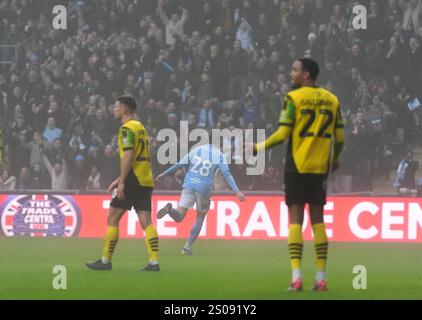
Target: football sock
320, 275
151, 242
296, 274
295, 243
321, 249
194, 232
111, 238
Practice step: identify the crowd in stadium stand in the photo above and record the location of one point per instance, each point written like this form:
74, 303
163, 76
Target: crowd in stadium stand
213, 63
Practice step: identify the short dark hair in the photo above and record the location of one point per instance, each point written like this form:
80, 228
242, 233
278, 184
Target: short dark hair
311, 66
128, 101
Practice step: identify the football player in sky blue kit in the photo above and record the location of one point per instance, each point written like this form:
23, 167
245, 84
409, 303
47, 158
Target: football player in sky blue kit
201, 164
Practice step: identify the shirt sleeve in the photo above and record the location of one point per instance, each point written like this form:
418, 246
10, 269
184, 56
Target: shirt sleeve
128, 138
285, 125
287, 116
224, 168
182, 163
338, 136
339, 128
339, 120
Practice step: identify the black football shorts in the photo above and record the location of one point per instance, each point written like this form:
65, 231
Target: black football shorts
305, 188
137, 197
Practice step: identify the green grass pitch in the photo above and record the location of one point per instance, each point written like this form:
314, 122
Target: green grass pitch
220, 270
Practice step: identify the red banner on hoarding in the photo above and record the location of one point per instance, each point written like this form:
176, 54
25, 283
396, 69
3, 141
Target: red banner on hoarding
260, 217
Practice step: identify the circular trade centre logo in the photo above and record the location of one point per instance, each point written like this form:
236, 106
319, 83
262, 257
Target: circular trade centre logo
40, 216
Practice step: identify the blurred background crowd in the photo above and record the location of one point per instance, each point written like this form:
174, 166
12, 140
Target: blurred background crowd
213, 63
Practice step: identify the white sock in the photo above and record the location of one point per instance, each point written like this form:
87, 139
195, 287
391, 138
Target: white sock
187, 246
321, 275
153, 262
104, 260
296, 274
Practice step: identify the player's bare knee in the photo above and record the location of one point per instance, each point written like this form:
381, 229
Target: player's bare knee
296, 213
316, 213
144, 218
113, 218
112, 221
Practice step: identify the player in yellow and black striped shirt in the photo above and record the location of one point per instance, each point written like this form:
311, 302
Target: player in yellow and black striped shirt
311, 122
133, 188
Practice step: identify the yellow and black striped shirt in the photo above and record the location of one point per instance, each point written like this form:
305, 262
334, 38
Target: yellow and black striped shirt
311, 119
132, 135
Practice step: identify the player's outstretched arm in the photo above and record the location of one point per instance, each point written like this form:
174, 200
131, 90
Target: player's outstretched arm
182, 163
224, 168
279, 136
285, 125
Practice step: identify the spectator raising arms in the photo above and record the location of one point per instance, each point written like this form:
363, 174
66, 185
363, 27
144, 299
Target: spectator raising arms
59, 174
189, 60
94, 179
7, 182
